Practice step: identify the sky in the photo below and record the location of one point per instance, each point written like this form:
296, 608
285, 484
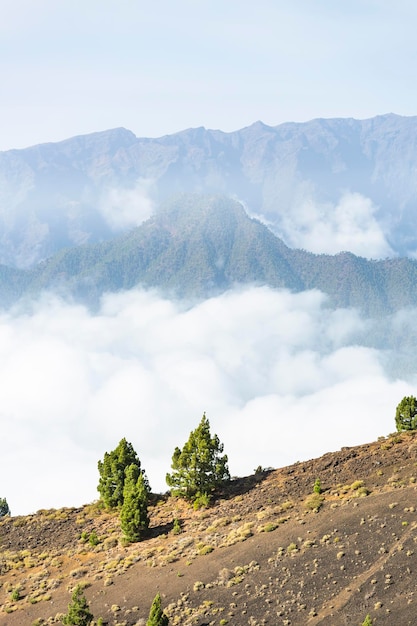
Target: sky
280, 376
71, 67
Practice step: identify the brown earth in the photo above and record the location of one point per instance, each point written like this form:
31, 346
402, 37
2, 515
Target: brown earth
263, 553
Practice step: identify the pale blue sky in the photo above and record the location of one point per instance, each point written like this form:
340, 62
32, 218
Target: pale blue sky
69, 67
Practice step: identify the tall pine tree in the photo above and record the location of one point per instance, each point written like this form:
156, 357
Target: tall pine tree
112, 472
134, 512
200, 466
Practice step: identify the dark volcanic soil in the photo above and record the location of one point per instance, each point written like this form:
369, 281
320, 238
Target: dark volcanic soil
262, 554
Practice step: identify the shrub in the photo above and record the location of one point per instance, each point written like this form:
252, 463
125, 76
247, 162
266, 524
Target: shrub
15, 595
176, 528
201, 501
93, 539
314, 502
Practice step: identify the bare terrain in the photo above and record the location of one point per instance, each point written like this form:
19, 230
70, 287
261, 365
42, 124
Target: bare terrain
268, 551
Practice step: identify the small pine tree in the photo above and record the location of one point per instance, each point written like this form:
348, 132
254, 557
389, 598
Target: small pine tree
317, 486
78, 610
156, 615
112, 472
134, 512
198, 467
367, 621
406, 414
4, 507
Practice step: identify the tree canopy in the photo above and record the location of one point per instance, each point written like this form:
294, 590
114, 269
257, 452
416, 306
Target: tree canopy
406, 414
200, 466
112, 472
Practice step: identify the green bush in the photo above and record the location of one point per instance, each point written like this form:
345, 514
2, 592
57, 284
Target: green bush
15, 595
314, 502
93, 539
176, 528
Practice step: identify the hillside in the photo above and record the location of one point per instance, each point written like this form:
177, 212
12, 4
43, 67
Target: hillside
262, 554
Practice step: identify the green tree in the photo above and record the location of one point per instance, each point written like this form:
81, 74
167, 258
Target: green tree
367, 621
199, 467
4, 507
317, 486
156, 615
112, 472
406, 414
134, 512
78, 610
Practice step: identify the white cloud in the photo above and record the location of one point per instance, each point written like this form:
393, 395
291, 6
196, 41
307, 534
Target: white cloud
126, 208
281, 377
324, 228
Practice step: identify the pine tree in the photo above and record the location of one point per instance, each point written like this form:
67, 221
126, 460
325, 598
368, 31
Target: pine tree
406, 414
134, 512
4, 507
156, 615
367, 621
112, 472
198, 467
78, 610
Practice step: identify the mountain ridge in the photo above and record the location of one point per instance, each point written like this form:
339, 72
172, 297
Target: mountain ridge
58, 195
199, 246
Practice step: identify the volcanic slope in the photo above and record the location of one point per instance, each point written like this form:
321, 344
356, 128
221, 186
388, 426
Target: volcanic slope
268, 551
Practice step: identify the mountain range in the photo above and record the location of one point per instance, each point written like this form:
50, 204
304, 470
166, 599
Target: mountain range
88, 188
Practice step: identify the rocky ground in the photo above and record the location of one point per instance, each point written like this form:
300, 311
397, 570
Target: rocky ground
268, 551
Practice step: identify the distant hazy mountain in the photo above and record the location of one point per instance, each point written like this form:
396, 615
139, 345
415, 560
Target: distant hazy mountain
296, 176
197, 246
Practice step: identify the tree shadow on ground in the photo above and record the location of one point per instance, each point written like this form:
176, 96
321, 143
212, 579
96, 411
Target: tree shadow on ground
240, 486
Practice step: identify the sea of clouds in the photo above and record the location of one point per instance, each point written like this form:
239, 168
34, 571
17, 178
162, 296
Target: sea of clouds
281, 377
353, 224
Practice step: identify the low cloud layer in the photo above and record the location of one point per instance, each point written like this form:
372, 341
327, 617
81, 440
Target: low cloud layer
351, 225
281, 378
126, 208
